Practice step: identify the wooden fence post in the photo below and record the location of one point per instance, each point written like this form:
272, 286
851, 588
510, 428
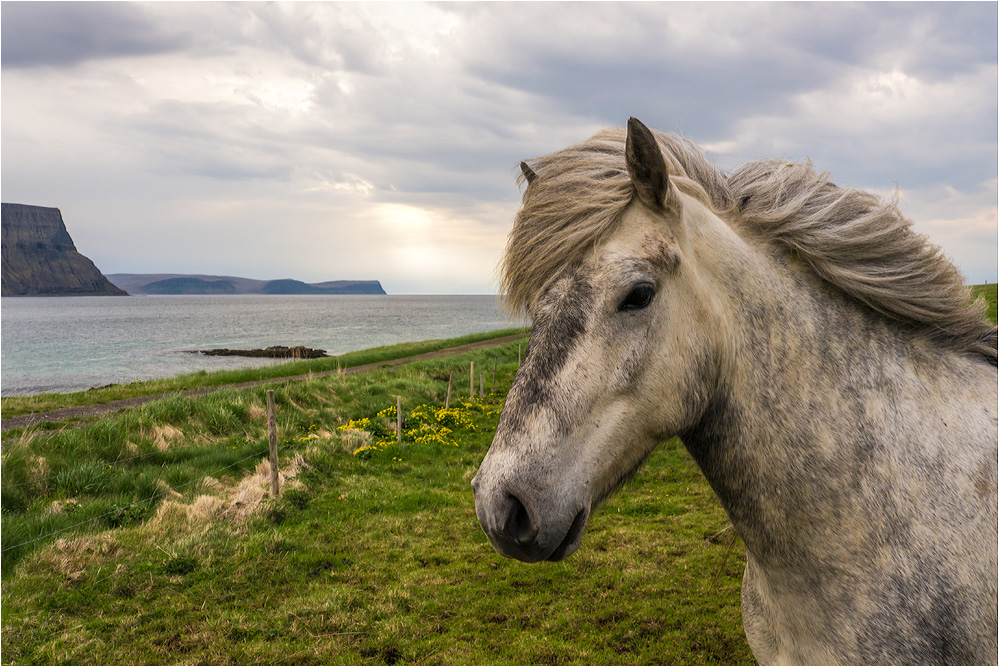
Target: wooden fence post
398, 420
471, 382
447, 401
272, 437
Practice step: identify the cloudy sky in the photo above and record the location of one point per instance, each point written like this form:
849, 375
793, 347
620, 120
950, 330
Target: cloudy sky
324, 141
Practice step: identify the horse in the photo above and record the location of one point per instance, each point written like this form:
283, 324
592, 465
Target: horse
823, 364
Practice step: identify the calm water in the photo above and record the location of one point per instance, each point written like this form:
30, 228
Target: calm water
71, 343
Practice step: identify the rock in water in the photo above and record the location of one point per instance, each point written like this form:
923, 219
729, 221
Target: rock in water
40, 259
275, 352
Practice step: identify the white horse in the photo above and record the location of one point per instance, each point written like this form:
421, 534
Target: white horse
821, 362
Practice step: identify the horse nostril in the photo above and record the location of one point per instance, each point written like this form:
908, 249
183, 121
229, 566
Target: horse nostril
519, 526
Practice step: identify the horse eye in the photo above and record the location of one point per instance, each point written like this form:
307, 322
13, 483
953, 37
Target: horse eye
638, 298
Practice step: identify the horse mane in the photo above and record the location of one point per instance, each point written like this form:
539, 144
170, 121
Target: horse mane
851, 239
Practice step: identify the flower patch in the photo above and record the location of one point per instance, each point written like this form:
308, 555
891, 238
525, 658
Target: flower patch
425, 425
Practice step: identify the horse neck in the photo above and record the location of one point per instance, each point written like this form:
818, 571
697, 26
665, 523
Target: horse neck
790, 427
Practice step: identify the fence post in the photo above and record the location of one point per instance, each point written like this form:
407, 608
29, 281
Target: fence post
471, 381
272, 437
398, 420
447, 401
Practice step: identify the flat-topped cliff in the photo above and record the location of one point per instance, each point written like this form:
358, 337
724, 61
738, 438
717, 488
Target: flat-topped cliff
40, 259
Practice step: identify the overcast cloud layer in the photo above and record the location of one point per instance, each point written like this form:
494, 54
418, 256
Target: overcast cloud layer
380, 140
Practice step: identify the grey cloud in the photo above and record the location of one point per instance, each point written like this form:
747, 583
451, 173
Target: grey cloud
643, 64
925, 39
67, 33
748, 59
941, 40
214, 141
435, 118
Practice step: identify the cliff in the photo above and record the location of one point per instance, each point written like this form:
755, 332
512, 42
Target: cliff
40, 259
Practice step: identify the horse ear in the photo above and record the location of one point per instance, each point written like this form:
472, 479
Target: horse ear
646, 165
528, 173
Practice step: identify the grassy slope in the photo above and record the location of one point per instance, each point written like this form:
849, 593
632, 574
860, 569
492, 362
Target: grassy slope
18, 405
376, 560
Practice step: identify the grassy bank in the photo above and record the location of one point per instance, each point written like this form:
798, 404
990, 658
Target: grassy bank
19, 405
169, 551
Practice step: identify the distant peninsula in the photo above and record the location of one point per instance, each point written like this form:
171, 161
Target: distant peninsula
176, 283
40, 259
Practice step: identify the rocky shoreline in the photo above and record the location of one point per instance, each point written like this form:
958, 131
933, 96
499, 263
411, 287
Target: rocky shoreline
273, 352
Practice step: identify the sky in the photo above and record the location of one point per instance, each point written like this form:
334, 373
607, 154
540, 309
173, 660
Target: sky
356, 140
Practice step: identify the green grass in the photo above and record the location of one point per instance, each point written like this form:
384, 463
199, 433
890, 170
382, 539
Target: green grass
988, 293
18, 405
369, 559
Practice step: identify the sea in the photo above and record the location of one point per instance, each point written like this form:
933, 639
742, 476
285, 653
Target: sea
62, 344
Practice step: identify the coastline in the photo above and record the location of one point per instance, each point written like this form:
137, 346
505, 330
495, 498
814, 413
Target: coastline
27, 418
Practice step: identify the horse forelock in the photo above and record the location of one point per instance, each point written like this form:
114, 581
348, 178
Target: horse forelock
850, 238
576, 200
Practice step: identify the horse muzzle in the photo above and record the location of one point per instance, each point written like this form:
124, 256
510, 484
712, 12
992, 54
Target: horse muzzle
526, 525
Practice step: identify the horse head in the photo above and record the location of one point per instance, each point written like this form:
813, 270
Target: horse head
623, 354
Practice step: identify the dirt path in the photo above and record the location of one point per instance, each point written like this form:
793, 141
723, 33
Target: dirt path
101, 409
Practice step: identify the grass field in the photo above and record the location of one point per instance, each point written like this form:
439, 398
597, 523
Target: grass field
149, 537
374, 558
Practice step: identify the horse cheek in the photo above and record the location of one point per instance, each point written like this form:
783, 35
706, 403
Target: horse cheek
680, 377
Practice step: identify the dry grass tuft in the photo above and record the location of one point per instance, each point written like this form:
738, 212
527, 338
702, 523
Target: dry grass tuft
233, 505
170, 516
166, 490
164, 436
211, 484
38, 467
248, 497
69, 556
206, 508
62, 506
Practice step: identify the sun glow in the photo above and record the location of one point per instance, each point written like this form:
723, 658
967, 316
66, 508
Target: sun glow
413, 238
